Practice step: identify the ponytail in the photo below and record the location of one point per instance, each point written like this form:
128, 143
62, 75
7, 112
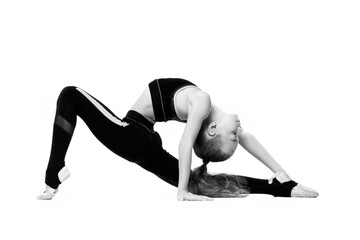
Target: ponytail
217, 186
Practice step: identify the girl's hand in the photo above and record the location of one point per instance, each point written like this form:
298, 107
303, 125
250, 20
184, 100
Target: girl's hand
186, 196
281, 176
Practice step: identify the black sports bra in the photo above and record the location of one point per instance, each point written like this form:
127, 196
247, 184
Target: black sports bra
162, 95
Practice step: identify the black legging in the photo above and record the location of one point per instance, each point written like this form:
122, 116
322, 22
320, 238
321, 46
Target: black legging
132, 138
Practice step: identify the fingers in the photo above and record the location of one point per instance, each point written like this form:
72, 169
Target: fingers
193, 197
204, 198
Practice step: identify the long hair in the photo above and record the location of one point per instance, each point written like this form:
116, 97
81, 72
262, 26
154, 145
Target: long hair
216, 186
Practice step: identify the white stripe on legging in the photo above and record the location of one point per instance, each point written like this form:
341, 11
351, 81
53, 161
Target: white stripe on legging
102, 109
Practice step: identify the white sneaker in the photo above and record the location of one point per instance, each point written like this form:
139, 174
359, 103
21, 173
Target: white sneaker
48, 194
303, 192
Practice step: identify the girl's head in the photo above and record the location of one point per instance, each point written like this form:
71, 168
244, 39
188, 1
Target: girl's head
217, 139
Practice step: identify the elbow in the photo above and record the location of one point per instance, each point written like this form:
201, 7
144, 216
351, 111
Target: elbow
183, 147
180, 148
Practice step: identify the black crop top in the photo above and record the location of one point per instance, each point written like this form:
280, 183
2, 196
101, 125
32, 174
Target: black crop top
162, 95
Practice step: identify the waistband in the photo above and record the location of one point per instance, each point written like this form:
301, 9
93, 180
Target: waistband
139, 120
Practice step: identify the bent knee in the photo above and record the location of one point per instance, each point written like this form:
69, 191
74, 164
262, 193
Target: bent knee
66, 95
67, 90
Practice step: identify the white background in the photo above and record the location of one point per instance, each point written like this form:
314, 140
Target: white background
288, 68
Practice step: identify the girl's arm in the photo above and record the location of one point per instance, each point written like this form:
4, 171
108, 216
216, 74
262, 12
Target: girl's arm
198, 108
254, 147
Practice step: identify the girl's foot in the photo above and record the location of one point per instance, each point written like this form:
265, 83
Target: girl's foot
303, 192
49, 193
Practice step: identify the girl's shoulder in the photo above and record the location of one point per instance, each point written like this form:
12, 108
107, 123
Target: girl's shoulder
200, 103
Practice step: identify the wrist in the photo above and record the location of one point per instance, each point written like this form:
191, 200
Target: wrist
277, 169
281, 176
182, 191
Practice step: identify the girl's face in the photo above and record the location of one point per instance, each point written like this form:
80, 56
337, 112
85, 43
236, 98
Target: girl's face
229, 127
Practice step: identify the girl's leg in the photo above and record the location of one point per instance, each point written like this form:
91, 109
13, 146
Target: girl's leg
73, 102
165, 166
262, 186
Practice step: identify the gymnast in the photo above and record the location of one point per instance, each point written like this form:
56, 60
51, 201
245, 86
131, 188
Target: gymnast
213, 134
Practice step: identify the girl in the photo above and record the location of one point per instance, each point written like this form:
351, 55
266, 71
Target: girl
212, 133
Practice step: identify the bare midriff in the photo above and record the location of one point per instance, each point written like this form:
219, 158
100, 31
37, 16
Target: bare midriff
143, 105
